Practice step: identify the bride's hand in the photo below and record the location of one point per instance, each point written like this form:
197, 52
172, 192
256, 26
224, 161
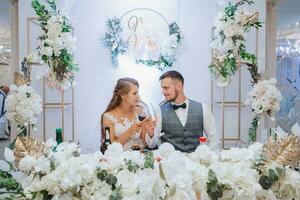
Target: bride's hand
135, 127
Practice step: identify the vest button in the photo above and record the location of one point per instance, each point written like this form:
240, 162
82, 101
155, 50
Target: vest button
184, 130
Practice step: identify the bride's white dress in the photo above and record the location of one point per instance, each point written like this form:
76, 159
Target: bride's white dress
122, 125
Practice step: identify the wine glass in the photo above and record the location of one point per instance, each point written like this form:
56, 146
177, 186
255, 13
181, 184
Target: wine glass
145, 111
152, 111
141, 116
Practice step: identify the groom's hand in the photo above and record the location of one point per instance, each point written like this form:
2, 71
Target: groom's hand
150, 124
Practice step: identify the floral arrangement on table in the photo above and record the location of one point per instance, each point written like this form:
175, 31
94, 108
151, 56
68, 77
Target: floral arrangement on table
57, 44
62, 172
228, 44
23, 106
113, 41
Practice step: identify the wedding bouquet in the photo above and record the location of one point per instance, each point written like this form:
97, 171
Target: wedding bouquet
57, 44
23, 106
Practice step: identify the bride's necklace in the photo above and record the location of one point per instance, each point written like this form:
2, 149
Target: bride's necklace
124, 119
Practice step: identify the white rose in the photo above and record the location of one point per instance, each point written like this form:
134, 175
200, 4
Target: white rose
46, 51
129, 181
114, 150
236, 154
180, 195
42, 164
27, 163
204, 155
9, 155
135, 156
166, 149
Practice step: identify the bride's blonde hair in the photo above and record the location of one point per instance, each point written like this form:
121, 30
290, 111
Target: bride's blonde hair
122, 88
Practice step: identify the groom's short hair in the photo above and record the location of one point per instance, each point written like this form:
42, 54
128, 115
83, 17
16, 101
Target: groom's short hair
173, 75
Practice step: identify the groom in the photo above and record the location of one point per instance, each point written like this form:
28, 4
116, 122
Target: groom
180, 120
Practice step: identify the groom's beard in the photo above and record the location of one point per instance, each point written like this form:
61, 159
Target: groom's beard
174, 98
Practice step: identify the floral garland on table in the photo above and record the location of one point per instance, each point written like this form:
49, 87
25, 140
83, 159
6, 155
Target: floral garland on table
23, 106
62, 172
118, 46
228, 46
57, 45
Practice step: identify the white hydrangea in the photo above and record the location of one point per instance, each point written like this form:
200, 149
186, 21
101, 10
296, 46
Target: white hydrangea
204, 155
23, 105
240, 176
264, 98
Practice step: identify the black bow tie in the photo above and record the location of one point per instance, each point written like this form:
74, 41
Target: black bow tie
175, 107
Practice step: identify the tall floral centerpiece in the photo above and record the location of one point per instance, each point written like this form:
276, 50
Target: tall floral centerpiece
229, 50
57, 44
229, 53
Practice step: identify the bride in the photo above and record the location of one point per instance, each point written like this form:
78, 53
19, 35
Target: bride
121, 116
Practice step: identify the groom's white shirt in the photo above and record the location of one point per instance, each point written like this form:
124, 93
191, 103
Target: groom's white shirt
209, 126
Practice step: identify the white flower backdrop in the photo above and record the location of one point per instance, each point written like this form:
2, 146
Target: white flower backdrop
51, 171
98, 74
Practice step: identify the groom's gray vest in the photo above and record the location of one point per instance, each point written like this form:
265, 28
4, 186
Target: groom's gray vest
184, 138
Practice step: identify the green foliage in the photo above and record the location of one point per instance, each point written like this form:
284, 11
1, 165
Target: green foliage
266, 181
252, 130
215, 189
9, 186
42, 13
149, 160
131, 166
116, 194
111, 180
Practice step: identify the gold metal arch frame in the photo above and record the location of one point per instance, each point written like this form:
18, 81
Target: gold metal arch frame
62, 105
230, 104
